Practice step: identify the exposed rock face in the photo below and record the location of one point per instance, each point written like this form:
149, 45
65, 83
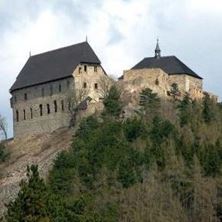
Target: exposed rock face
36, 149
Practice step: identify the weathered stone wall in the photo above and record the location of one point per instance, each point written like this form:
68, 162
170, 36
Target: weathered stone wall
89, 77
45, 95
188, 84
155, 79
160, 82
26, 102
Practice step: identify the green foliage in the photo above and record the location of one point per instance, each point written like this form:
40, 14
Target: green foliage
149, 100
185, 110
208, 109
118, 170
133, 129
112, 102
174, 90
3, 153
31, 203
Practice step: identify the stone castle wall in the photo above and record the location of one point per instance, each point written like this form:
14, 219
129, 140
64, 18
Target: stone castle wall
41, 108
160, 82
45, 108
155, 79
188, 84
88, 78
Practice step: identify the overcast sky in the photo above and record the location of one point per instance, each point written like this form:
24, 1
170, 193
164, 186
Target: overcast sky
121, 33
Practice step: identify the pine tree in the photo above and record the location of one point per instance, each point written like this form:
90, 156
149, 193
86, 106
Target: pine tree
208, 109
112, 102
185, 109
174, 90
31, 202
150, 103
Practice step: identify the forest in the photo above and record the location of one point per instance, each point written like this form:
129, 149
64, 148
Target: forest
162, 164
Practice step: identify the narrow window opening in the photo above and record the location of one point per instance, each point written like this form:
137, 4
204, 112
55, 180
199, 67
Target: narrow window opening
62, 105
25, 96
95, 68
55, 106
48, 108
43, 92
31, 113
85, 68
80, 69
96, 85
84, 85
60, 88
17, 115
24, 116
157, 82
40, 109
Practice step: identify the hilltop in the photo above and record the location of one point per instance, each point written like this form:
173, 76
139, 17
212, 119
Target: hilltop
163, 162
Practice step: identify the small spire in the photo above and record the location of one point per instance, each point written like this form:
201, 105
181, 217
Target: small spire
157, 50
86, 38
30, 53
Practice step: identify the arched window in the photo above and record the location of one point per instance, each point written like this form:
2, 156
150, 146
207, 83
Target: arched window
96, 85
48, 108
55, 106
84, 85
60, 88
85, 68
40, 109
17, 115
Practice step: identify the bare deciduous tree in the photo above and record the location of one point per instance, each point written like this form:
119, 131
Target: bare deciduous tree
104, 85
75, 100
3, 127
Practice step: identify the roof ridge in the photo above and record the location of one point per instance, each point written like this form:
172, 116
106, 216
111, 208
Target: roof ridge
153, 57
54, 50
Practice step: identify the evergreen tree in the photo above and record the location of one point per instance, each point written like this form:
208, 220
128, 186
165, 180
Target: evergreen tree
112, 102
185, 110
3, 153
150, 103
174, 90
31, 203
208, 109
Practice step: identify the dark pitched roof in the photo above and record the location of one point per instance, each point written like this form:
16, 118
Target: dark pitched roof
53, 65
169, 64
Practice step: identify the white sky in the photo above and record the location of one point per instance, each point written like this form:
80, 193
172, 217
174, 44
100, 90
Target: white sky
121, 33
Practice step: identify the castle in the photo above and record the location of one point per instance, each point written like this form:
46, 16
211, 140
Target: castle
44, 90
41, 93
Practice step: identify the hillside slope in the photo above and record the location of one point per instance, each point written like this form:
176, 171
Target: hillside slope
39, 149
